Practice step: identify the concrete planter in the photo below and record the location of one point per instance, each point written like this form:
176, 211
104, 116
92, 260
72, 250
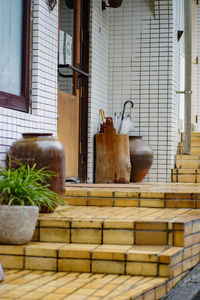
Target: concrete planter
17, 224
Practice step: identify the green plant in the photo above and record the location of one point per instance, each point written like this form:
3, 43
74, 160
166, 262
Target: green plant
27, 186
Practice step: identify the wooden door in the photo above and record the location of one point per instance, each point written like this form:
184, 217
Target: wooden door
68, 131
68, 90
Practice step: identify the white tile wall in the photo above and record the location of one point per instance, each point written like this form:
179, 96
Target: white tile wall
44, 82
143, 64
98, 70
134, 54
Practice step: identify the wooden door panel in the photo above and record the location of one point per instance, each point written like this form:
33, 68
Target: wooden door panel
68, 131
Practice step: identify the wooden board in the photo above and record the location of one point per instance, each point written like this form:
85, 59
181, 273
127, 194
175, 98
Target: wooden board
68, 131
112, 156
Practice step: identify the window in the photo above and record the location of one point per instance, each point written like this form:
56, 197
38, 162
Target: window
14, 54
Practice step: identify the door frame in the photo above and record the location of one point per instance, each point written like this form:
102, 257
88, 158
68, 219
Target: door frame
83, 108
83, 95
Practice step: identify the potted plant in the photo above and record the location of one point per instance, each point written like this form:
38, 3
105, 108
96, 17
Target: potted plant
23, 191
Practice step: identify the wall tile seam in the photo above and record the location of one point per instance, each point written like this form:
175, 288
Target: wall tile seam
43, 78
39, 32
44, 32
51, 43
42, 29
46, 38
44, 50
44, 25
42, 81
45, 69
39, 11
41, 104
44, 88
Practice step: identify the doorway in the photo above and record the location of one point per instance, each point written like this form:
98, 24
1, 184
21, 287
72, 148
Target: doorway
73, 86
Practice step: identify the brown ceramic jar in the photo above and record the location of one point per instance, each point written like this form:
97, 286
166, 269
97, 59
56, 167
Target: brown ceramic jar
141, 156
45, 151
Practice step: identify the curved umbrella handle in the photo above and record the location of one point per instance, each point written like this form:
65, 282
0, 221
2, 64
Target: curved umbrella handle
124, 107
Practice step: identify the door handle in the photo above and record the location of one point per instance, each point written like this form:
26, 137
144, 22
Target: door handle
75, 69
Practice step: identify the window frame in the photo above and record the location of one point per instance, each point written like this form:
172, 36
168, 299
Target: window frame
11, 101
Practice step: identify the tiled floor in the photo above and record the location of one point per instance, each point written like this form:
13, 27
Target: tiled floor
28, 285
101, 214
117, 242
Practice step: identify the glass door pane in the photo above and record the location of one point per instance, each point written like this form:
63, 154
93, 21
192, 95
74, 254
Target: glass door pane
11, 19
66, 43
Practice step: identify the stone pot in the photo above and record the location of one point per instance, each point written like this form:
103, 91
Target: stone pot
141, 156
45, 151
17, 224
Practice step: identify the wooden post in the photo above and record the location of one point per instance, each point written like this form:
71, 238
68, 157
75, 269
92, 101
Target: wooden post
188, 74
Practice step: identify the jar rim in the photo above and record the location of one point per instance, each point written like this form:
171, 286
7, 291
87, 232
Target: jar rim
35, 134
135, 136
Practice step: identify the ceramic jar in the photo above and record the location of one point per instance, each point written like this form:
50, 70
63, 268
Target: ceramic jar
45, 151
141, 156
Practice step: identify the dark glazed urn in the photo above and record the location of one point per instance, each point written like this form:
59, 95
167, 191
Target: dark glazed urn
45, 151
141, 156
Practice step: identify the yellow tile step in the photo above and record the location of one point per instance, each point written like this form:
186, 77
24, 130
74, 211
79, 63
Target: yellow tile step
151, 260
195, 136
120, 225
195, 148
117, 190
186, 175
187, 162
70, 286
163, 195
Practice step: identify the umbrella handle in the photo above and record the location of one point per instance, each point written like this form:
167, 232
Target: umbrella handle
102, 113
124, 107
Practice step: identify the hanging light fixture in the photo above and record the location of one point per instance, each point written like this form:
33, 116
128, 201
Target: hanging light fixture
111, 3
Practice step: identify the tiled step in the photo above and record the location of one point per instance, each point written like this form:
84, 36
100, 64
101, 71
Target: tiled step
186, 175
149, 260
120, 225
137, 195
78, 286
195, 137
187, 162
195, 148
129, 241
